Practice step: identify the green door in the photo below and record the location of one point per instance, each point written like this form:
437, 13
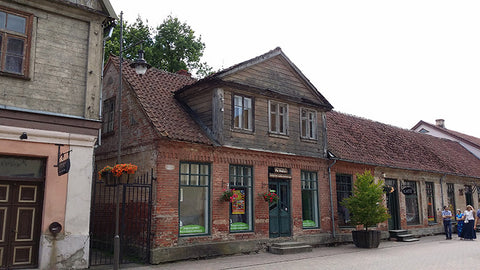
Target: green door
392, 204
280, 219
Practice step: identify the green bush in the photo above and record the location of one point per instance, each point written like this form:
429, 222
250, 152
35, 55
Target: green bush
366, 203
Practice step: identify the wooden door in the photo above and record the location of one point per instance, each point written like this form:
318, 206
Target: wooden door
280, 224
20, 220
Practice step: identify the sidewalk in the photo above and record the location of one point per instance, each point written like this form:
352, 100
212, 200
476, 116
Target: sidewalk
431, 252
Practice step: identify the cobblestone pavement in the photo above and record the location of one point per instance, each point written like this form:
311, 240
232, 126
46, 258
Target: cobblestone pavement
432, 252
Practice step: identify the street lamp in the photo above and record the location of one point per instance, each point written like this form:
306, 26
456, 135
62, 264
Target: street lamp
141, 67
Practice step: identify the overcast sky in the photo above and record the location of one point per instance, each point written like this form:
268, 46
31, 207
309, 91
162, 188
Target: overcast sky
396, 62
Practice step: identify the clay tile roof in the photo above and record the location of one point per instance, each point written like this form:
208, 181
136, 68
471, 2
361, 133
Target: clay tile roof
364, 141
154, 91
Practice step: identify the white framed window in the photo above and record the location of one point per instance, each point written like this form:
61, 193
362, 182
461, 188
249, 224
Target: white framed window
242, 113
278, 117
308, 124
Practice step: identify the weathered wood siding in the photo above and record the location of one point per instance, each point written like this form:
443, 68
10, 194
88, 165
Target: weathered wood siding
273, 74
261, 138
65, 62
201, 103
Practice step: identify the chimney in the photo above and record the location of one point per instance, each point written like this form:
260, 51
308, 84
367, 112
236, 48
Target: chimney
184, 73
440, 123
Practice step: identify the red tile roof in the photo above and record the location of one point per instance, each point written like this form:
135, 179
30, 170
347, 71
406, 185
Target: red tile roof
364, 141
155, 94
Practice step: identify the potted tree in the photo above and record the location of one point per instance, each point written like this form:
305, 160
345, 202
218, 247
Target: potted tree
366, 208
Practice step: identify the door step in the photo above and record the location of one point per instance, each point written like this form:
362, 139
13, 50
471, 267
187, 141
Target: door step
402, 236
289, 248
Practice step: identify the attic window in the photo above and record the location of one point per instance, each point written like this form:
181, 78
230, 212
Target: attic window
423, 130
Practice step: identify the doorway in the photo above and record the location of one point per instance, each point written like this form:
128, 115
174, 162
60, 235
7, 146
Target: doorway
393, 205
280, 217
20, 220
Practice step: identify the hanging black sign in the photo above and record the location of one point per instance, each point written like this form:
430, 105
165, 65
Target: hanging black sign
64, 165
408, 190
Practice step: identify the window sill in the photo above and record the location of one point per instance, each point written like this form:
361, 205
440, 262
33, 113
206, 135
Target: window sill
280, 136
15, 75
243, 131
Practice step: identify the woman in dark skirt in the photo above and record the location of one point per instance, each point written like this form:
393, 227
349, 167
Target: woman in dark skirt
459, 218
469, 223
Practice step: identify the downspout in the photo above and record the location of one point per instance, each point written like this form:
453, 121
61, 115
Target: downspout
331, 196
110, 32
327, 154
441, 187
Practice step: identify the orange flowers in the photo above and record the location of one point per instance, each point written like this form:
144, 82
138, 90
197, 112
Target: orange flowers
118, 170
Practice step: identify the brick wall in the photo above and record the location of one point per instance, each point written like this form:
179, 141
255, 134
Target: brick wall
165, 218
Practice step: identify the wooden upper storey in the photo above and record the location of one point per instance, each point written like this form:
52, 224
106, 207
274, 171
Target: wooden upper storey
262, 104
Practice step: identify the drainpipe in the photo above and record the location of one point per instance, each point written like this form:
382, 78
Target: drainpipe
441, 187
110, 32
331, 196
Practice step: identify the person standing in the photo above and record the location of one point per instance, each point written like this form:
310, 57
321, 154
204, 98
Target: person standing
459, 217
447, 222
469, 222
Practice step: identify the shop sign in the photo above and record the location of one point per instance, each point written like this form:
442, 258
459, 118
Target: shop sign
408, 191
279, 172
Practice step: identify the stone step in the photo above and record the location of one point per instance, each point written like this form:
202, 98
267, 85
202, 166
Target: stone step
410, 240
395, 233
289, 248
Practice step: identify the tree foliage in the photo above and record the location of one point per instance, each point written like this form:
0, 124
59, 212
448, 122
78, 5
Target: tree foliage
366, 204
171, 46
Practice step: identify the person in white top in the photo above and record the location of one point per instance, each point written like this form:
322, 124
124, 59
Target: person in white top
469, 223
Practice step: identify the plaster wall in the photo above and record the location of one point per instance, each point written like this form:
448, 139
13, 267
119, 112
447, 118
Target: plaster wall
66, 197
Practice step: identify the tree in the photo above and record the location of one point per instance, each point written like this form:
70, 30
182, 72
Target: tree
366, 203
172, 46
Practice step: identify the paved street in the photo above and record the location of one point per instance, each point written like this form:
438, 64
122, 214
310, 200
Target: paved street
432, 252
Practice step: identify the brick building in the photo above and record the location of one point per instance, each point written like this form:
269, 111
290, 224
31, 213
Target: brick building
255, 127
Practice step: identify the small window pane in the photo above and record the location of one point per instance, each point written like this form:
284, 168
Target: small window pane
16, 23
14, 59
3, 17
21, 167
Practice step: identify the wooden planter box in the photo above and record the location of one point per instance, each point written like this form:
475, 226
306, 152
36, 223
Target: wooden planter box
366, 239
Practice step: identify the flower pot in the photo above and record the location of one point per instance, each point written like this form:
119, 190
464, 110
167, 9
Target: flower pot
108, 178
366, 239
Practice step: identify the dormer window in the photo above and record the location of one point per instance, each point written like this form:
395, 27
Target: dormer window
278, 117
308, 124
242, 113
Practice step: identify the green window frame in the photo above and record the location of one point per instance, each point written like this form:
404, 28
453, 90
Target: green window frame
344, 185
310, 207
431, 213
451, 197
411, 204
241, 180
194, 199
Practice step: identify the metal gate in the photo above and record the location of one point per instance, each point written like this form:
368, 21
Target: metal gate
135, 204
